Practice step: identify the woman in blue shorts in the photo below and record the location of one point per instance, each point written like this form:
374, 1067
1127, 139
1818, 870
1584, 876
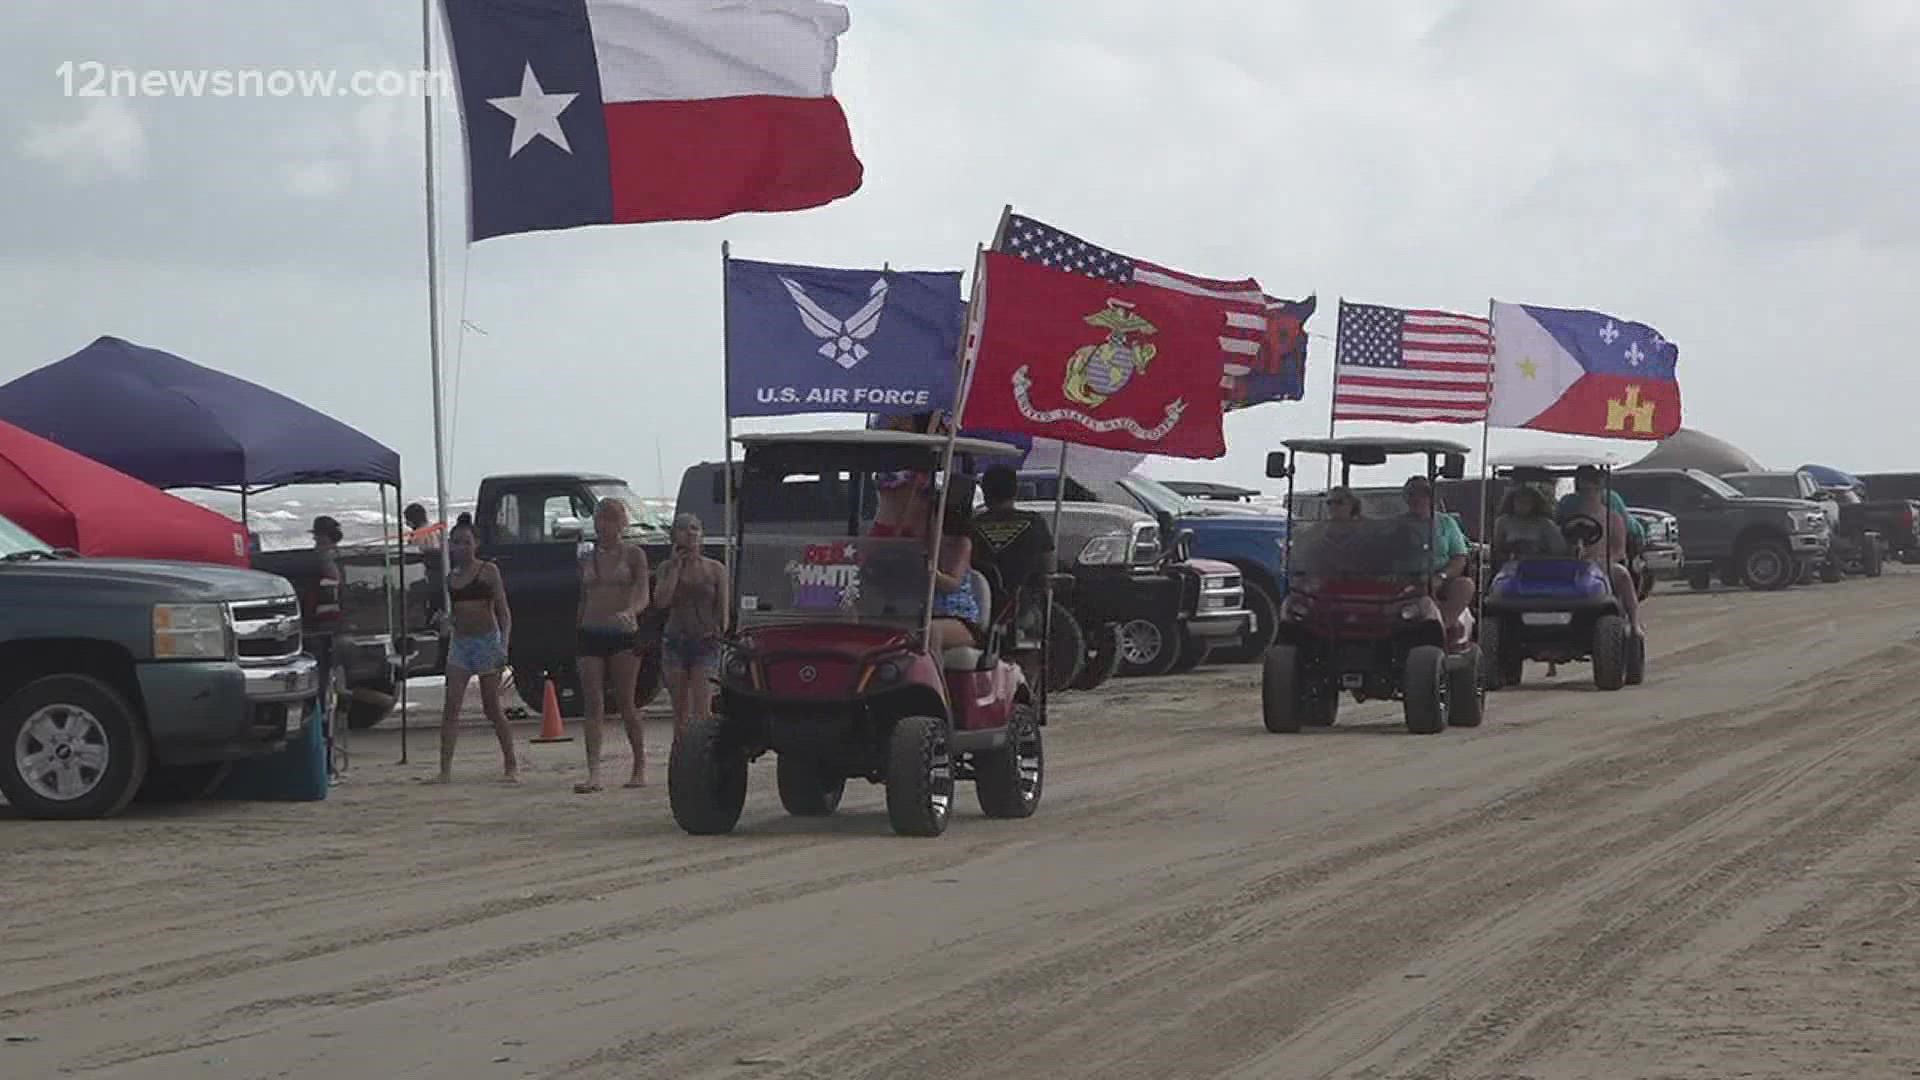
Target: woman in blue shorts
480, 625
693, 592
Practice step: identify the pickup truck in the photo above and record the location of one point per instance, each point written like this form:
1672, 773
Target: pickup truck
1125, 590
127, 677
1763, 543
1253, 543
1857, 547
1898, 494
536, 527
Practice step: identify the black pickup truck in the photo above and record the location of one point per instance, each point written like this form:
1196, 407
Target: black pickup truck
1134, 604
1891, 504
125, 678
1858, 548
1763, 543
537, 527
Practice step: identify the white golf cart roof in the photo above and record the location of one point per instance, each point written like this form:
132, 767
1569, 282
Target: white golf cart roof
866, 439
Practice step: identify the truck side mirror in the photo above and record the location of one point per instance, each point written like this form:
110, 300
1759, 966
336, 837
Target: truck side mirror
568, 528
1183, 546
1278, 468
1453, 466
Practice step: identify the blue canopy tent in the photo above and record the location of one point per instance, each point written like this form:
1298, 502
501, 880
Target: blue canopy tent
175, 424
1829, 477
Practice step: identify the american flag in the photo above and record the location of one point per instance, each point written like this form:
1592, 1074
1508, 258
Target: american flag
1245, 346
1410, 366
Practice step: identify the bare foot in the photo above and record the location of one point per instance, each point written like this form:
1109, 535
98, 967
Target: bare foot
510, 778
637, 781
443, 778
586, 787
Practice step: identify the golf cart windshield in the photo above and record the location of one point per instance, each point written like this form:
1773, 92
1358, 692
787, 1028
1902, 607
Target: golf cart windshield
811, 556
1399, 548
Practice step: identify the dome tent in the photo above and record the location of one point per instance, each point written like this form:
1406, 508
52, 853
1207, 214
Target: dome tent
1691, 449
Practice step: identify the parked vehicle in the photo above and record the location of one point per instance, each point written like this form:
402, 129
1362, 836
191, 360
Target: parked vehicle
1556, 608
1893, 502
128, 677
1661, 558
1856, 547
537, 527
1763, 543
829, 665
1230, 497
1121, 584
1252, 542
1360, 615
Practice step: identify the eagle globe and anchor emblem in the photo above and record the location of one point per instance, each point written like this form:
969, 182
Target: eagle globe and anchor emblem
1095, 373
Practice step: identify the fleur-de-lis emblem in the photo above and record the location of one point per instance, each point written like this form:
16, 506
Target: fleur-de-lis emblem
1634, 355
1609, 333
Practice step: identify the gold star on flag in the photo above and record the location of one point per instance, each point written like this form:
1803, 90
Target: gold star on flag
1529, 369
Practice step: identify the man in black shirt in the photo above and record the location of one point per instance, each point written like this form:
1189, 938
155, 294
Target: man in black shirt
1017, 543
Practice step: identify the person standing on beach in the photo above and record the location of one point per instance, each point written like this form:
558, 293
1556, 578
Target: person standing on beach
693, 593
613, 591
420, 534
481, 625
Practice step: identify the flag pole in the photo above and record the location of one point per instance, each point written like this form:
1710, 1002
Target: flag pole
966, 357
726, 409
1333, 403
1000, 230
433, 320
1486, 503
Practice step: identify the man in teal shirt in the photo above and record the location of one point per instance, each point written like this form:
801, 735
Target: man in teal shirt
1452, 589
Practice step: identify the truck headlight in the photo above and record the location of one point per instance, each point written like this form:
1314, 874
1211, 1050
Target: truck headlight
192, 632
1108, 549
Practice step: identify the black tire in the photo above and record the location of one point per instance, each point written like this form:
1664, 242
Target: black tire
1321, 707
1610, 652
1501, 665
364, 713
919, 777
1700, 578
1830, 571
1067, 650
1149, 647
182, 783
1193, 653
99, 721
807, 789
1009, 781
706, 779
1767, 565
1911, 556
1466, 698
1872, 563
1280, 687
1252, 646
1424, 690
1103, 658
1636, 659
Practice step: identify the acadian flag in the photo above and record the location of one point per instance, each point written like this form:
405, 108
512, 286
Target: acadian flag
1582, 373
598, 112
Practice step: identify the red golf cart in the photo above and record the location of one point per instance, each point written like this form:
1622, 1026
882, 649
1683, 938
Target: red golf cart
827, 663
1360, 615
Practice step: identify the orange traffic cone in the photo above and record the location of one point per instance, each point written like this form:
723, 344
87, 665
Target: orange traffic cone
551, 729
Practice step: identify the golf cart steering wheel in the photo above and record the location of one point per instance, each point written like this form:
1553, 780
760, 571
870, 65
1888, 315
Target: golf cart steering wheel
1582, 529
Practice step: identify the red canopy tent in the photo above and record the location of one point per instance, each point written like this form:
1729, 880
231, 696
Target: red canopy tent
72, 501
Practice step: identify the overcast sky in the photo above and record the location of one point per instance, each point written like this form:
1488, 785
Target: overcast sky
1741, 176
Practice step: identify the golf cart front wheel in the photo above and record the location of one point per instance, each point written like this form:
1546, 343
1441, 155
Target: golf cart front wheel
1610, 645
1008, 781
706, 779
919, 776
1281, 704
1466, 697
1424, 690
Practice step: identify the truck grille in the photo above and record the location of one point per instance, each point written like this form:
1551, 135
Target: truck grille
1221, 592
267, 631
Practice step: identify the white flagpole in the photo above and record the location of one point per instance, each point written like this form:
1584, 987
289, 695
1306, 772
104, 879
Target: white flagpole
726, 407
1333, 403
1486, 502
433, 312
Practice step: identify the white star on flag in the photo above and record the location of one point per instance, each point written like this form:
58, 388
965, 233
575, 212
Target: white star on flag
536, 114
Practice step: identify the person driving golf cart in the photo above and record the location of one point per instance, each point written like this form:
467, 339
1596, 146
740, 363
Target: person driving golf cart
1452, 589
1526, 526
1607, 544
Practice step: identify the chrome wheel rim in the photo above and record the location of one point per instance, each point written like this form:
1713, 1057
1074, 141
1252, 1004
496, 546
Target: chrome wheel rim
940, 781
62, 753
1027, 751
1140, 642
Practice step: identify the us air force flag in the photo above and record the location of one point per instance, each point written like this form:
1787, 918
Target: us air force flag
809, 339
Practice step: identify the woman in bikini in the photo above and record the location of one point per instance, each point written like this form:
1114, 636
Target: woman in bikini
693, 593
613, 592
956, 610
481, 625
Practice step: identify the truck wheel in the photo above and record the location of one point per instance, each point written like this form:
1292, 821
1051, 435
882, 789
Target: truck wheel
1871, 560
1610, 652
919, 777
706, 779
1281, 704
1103, 657
1700, 578
182, 783
70, 748
1193, 653
1466, 698
1766, 565
1008, 781
807, 788
1149, 646
1266, 623
1424, 690
1066, 650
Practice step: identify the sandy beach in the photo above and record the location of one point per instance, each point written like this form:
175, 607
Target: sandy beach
1711, 876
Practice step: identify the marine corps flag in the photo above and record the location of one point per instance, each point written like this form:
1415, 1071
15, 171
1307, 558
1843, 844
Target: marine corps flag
1098, 363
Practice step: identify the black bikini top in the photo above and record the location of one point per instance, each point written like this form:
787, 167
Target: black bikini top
477, 589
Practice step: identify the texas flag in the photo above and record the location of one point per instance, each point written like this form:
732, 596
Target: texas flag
1582, 373
596, 112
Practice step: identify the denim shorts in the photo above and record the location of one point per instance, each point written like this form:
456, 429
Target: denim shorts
481, 654
691, 653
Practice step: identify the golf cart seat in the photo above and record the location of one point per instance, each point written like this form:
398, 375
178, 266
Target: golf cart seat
968, 659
